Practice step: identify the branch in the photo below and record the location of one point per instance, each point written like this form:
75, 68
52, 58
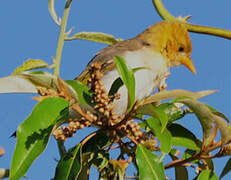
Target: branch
179, 162
162, 11
191, 27
201, 155
61, 38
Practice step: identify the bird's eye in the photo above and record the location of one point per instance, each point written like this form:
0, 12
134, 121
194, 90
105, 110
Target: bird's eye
181, 49
146, 44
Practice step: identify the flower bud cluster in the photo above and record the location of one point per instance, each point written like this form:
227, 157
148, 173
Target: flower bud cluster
104, 102
103, 117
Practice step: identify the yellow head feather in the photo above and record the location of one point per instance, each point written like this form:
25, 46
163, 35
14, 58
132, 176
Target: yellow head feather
172, 40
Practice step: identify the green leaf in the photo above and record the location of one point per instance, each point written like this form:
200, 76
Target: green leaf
33, 134
183, 137
207, 118
16, 84
69, 165
77, 161
27, 83
226, 169
94, 154
29, 65
128, 79
209, 164
140, 68
156, 112
216, 112
115, 86
149, 165
172, 111
181, 172
188, 153
95, 36
84, 97
118, 82
163, 95
207, 175
164, 137
39, 72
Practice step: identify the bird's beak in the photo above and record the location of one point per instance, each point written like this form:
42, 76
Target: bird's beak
187, 61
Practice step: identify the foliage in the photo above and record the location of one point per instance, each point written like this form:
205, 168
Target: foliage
67, 106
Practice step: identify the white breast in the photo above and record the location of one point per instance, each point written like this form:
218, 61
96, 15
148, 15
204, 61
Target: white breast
146, 79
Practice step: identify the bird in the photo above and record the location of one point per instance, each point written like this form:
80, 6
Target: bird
161, 46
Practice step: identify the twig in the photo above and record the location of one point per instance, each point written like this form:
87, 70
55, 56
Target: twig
179, 162
114, 147
215, 146
61, 38
191, 27
132, 139
89, 137
200, 155
212, 138
162, 11
130, 177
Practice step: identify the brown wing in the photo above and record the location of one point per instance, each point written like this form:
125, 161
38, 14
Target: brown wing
106, 56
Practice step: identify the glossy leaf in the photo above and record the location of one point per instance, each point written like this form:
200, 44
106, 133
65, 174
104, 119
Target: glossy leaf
207, 118
16, 84
207, 175
118, 82
172, 111
181, 172
216, 112
226, 169
84, 97
183, 137
128, 79
163, 95
95, 36
164, 137
115, 86
156, 112
27, 83
188, 153
43, 80
30, 64
149, 165
94, 154
209, 164
70, 164
33, 134
76, 163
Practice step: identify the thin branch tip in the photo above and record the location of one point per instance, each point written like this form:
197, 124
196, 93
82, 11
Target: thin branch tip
163, 12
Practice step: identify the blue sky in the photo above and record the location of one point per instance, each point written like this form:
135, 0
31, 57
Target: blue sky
27, 31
